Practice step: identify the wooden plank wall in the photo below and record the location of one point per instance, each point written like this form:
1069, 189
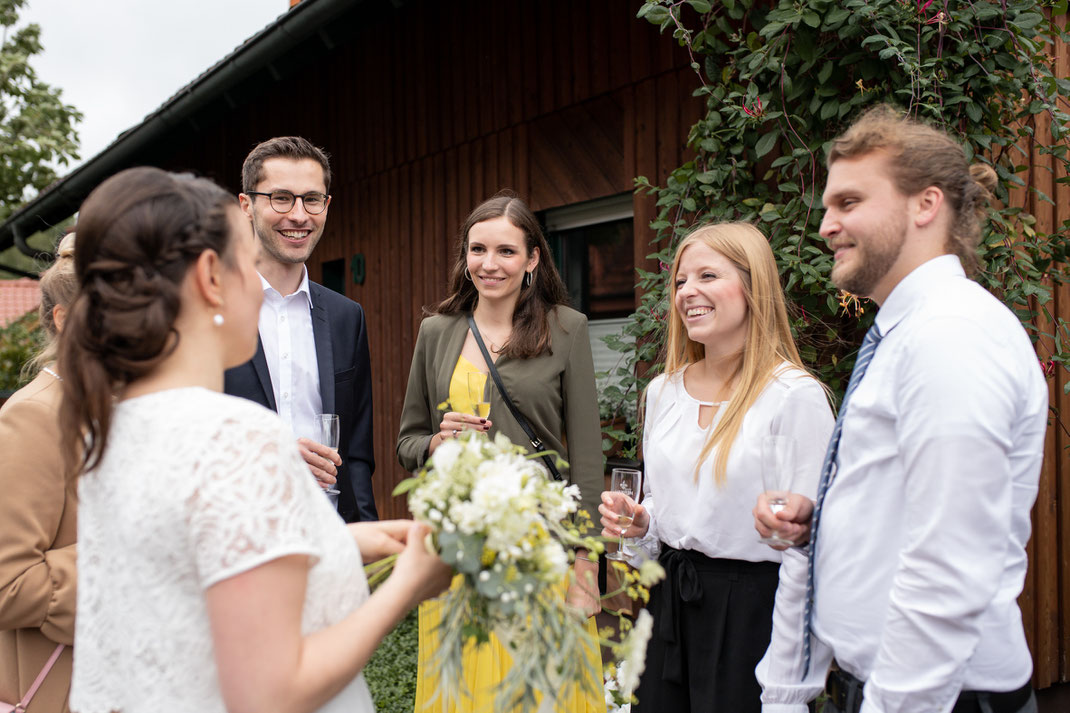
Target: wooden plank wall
1045, 609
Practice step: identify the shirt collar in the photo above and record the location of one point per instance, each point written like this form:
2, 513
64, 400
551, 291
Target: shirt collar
912, 289
302, 289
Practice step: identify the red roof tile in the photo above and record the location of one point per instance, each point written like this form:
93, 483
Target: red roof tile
17, 297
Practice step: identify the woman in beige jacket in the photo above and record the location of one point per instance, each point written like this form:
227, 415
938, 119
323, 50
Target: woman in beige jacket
38, 509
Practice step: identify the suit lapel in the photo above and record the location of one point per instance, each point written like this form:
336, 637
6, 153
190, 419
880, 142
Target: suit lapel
262, 373
321, 332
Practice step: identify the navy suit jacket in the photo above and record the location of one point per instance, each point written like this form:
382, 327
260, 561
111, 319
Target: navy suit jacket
341, 336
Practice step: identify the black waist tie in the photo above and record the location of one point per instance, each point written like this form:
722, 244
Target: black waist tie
681, 583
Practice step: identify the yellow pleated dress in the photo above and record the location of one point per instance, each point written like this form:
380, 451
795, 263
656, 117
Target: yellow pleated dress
485, 665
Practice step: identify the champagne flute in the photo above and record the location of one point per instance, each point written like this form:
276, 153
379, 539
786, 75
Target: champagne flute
625, 481
330, 434
477, 393
778, 471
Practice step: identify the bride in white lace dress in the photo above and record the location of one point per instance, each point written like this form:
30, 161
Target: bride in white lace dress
213, 573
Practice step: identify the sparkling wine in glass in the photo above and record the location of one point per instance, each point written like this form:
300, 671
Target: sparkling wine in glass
627, 482
330, 434
778, 471
477, 393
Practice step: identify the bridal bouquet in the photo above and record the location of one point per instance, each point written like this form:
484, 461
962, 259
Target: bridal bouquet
503, 524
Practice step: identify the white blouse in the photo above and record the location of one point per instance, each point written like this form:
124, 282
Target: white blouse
717, 519
194, 487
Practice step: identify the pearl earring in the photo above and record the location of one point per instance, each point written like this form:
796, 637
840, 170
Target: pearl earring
217, 320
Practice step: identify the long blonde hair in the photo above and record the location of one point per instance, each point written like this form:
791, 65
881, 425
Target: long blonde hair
768, 341
59, 286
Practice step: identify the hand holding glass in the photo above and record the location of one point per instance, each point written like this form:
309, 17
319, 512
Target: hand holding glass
477, 393
330, 434
778, 471
627, 482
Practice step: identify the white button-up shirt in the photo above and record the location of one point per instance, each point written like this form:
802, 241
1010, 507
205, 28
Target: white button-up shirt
921, 555
290, 349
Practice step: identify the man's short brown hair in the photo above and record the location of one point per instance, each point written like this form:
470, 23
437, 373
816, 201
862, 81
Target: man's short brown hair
292, 147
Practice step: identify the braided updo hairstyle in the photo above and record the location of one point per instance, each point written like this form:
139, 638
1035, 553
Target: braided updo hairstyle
922, 156
138, 234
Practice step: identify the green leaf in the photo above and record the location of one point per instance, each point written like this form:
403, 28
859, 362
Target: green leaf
701, 6
825, 73
836, 16
1028, 20
765, 144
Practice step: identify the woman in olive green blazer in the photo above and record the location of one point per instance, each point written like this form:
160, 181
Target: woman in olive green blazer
504, 276
555, 392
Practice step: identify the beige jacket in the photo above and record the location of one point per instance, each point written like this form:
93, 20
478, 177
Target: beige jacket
555, 392
38, 528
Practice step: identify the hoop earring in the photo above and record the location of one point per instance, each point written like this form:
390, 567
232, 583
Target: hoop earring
467, 274
529, 278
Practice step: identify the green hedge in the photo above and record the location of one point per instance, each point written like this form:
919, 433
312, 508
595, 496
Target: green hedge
19, 342
391, 673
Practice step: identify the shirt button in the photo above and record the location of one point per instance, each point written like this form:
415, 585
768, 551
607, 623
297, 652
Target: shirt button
285, 356
285, 394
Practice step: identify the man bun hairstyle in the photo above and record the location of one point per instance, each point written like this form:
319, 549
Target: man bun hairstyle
138, 234
921, 156
291, 147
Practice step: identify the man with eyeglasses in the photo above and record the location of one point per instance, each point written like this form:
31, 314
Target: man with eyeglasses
312, 357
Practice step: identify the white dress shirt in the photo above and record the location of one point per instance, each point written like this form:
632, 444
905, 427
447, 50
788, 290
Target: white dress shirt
290, 349
921, 555
702, 515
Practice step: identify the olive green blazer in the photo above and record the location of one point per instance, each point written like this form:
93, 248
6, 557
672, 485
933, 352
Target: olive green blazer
555, 392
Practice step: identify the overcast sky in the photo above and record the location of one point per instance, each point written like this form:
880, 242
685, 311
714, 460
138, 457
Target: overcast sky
118, 60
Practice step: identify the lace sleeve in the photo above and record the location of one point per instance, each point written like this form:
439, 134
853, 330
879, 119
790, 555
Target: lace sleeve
251, 503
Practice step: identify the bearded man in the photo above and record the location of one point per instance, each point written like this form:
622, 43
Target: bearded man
916, 544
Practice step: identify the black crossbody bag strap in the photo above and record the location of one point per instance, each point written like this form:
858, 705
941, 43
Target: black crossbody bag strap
524, 425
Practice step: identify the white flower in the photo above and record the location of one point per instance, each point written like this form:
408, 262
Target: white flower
650, 572
633, 658
445, 455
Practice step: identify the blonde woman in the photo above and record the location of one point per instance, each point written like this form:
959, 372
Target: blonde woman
732, 376
38, 509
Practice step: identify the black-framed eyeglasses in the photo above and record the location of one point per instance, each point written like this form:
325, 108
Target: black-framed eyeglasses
283, 201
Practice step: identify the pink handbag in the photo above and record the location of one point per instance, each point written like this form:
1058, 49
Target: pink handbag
20, 707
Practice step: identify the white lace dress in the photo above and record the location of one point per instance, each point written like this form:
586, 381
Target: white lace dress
195, 487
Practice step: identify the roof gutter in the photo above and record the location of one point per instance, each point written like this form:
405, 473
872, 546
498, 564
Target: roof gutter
63, 197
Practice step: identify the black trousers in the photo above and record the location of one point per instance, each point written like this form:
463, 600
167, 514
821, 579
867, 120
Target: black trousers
712, 623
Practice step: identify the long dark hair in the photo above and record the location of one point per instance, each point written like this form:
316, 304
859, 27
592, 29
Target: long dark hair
531, 328
138, 234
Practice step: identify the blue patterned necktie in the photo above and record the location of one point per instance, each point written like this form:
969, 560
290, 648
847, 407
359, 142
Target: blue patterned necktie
865, 356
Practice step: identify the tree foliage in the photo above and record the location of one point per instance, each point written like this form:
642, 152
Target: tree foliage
781, 78
36, 127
